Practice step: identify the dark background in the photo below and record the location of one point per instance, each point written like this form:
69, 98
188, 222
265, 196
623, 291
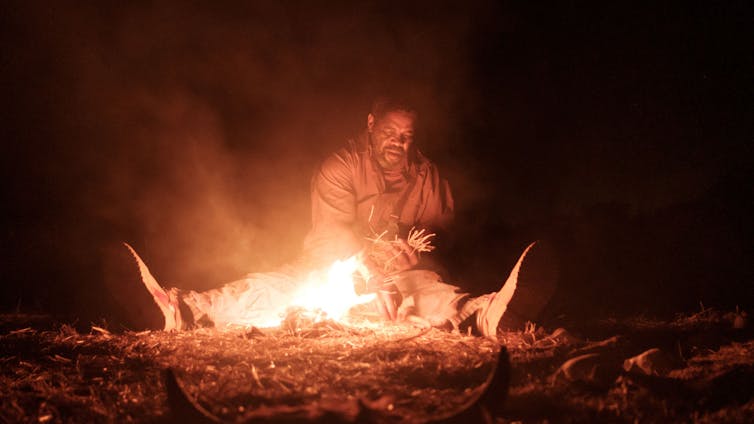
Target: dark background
619, 131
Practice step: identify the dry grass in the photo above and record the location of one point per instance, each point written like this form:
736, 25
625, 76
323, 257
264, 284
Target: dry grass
52, 373
383, 251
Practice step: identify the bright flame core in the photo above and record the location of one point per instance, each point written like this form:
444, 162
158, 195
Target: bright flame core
333, 295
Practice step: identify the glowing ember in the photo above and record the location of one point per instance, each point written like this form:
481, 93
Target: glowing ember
333, 295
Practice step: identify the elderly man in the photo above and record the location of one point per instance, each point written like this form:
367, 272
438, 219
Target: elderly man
366, 198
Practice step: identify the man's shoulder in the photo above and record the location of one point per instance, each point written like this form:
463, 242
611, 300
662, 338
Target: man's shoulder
425, 164
343, 160
351, 152
358, 145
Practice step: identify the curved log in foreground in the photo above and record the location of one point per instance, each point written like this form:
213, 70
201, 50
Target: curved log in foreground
482, 407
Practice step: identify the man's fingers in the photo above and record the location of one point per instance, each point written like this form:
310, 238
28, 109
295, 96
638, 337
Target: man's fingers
387, 303
381, 308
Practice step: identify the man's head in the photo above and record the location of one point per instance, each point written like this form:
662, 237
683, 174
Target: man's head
391, 131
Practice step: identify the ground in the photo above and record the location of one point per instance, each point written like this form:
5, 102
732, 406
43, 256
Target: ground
703, 371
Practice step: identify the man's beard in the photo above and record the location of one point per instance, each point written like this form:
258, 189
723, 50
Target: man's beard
389, 157
392, 158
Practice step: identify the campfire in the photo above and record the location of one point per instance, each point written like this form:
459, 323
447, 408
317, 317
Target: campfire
333, 295
329, 294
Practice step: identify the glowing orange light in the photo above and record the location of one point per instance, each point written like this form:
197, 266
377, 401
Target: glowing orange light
333, 295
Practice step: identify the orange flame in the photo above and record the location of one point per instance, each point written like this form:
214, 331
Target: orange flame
333, 295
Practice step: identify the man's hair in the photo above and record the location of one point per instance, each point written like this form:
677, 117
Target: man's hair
385, 104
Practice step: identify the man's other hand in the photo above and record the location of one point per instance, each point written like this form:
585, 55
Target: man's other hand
388, 297
388, 300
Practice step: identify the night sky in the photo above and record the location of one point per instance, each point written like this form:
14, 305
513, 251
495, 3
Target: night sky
619, 131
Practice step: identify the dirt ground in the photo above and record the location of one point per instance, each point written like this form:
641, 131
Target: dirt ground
696, 368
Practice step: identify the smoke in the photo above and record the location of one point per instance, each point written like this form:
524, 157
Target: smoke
191, 131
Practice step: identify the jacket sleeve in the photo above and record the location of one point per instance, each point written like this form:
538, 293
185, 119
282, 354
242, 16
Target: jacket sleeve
445, 209
333, 212
436, 207
436, 216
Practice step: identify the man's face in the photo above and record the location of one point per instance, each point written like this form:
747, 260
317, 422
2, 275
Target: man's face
392, 137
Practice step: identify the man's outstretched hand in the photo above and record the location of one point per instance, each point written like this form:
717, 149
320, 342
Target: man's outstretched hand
388, 297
